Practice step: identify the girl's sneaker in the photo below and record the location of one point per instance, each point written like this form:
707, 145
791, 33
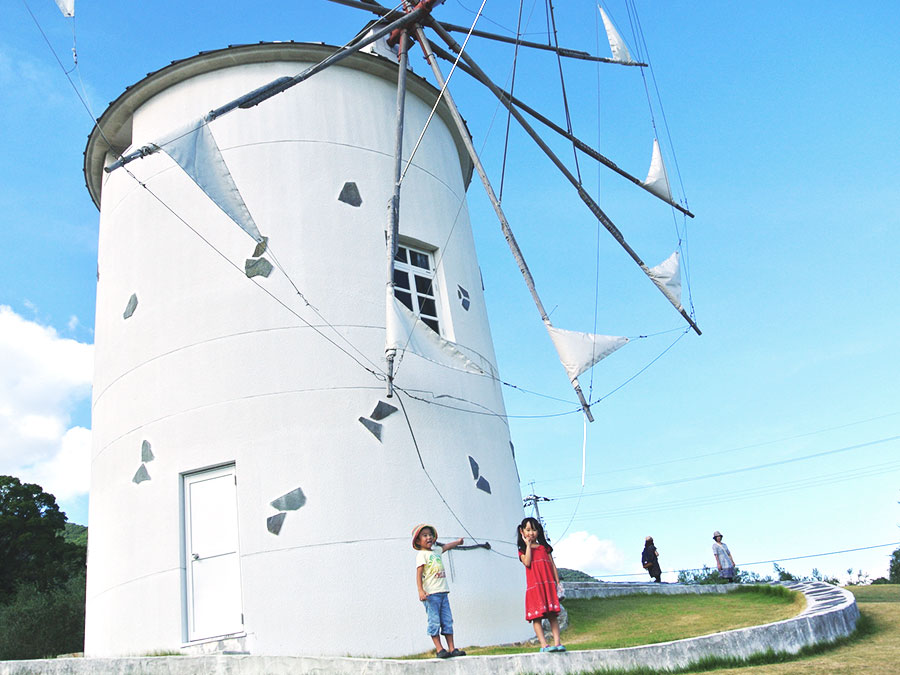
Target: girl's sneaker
547, 649
557, 648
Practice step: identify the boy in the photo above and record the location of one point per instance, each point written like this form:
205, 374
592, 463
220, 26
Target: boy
431, 581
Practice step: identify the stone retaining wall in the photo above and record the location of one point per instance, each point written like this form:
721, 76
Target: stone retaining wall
830, 613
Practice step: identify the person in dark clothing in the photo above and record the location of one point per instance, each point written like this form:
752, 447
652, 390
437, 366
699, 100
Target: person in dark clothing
650, 560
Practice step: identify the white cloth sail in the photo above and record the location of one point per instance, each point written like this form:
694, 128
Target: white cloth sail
405, 331
657, 180
67, 7
616, 43
580, 351
667, 276
194, 149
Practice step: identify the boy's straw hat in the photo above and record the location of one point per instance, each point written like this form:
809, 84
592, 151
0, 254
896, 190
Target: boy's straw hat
417, 529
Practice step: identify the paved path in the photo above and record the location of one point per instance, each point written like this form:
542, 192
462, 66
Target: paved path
830, 613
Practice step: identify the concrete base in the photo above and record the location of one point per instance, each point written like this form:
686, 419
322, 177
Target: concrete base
830, 613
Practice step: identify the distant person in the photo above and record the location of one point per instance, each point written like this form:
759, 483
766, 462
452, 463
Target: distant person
541, 580
724, 561
431, 580
650, 560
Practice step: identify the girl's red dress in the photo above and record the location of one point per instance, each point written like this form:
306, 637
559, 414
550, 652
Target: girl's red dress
540, 596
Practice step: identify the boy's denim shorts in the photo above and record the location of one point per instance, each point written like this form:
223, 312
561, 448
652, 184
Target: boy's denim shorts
437, 607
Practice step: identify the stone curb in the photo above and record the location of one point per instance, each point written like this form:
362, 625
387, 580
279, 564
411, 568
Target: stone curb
831, 613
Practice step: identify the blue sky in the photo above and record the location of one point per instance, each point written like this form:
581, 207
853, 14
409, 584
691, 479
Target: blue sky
784, 117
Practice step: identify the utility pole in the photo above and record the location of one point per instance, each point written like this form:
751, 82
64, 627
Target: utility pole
533, 500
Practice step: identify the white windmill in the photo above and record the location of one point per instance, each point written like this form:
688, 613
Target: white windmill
267, 429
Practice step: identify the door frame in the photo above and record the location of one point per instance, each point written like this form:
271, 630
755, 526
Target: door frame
185, 532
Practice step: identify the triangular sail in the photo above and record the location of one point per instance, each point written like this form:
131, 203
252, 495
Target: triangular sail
657, 179
194, 149
580, 351
405, 331
616, 43
667, 277
67, 7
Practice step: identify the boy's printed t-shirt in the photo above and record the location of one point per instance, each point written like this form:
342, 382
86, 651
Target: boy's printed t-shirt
434, 579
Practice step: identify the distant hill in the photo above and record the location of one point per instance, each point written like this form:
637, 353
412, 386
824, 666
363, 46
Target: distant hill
76, 534
566, 574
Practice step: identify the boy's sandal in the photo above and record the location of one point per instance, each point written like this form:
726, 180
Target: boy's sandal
457, 652
444, 654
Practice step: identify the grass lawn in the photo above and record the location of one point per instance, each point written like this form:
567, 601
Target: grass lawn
607, 623
875, 648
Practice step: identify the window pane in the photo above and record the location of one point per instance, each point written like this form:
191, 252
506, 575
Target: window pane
419, 260
426, 306
401, 254
405, 298
423, 286
401, 279
431, 323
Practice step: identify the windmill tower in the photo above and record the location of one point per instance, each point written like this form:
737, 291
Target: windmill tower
253, 488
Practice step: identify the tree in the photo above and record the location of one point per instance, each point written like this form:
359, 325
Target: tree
33, 550
41, 624
894, 567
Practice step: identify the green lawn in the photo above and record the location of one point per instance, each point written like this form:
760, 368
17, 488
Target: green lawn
644, 619
874, 648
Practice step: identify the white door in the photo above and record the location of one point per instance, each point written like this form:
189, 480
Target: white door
212, 557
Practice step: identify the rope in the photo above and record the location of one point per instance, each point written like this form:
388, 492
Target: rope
551, 17
441, 94
377, 375
412, 435
88, 109
509, 110
641, 371
681, 234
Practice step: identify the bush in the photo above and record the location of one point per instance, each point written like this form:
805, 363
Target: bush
566, 574
40, 624
711, 576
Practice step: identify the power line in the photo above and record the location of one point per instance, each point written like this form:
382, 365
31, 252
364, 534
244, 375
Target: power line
715, 453
717, 474
773, 489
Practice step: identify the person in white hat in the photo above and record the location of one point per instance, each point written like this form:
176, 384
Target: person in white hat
724, 560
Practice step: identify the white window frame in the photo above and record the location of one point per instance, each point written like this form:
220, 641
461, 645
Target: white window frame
415, 291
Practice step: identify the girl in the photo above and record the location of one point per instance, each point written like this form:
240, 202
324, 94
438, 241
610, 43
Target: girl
542, 579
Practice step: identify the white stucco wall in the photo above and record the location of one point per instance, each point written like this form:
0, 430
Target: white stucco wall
212, 370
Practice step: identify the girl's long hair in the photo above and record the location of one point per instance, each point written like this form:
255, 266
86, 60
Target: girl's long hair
541, 538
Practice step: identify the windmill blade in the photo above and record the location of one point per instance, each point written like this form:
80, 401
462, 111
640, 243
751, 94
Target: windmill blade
582, 193
581, 145
380, 10
393, 225
501, 216
281, 84
562, 51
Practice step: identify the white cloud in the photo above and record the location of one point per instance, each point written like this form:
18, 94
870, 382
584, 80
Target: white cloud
68, 473
588, 553
42, 378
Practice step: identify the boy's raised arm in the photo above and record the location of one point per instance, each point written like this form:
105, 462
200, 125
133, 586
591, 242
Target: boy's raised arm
452, 544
